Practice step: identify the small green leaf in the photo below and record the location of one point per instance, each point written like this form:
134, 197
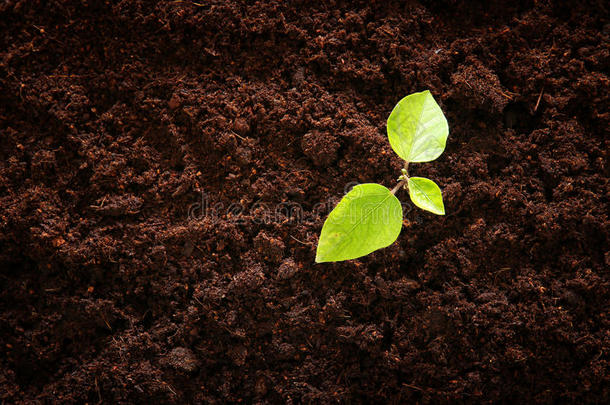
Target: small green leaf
417, 128
367, 218
426, 195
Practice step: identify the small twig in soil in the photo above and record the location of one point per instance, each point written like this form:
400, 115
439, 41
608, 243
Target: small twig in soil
97, 388
301, 242
239, 136
189, 2
508, 96
412, 386
169, 387
539, 98
199, 302
503, 269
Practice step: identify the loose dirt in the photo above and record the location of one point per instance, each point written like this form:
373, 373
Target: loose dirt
166, 168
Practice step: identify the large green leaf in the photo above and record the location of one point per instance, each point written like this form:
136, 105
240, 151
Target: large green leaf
367, 218
426, 195
417, 128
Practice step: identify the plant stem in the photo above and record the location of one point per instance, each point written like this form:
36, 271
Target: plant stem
403, 181
398, 186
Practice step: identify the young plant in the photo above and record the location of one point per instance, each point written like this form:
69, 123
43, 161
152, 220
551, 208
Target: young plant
369, 217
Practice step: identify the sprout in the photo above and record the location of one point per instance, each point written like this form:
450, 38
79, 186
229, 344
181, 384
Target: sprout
369, 217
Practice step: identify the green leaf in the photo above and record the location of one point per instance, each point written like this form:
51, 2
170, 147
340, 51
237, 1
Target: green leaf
417, 128
367, 218
426, 195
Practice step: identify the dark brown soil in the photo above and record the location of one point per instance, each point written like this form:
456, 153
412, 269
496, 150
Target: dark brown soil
145, 149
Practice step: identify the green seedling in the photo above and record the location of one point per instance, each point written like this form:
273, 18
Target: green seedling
369, 217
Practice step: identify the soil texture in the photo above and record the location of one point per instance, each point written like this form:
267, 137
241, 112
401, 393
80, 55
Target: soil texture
166, 168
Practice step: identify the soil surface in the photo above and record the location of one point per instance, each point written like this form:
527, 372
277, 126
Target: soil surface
166, 169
